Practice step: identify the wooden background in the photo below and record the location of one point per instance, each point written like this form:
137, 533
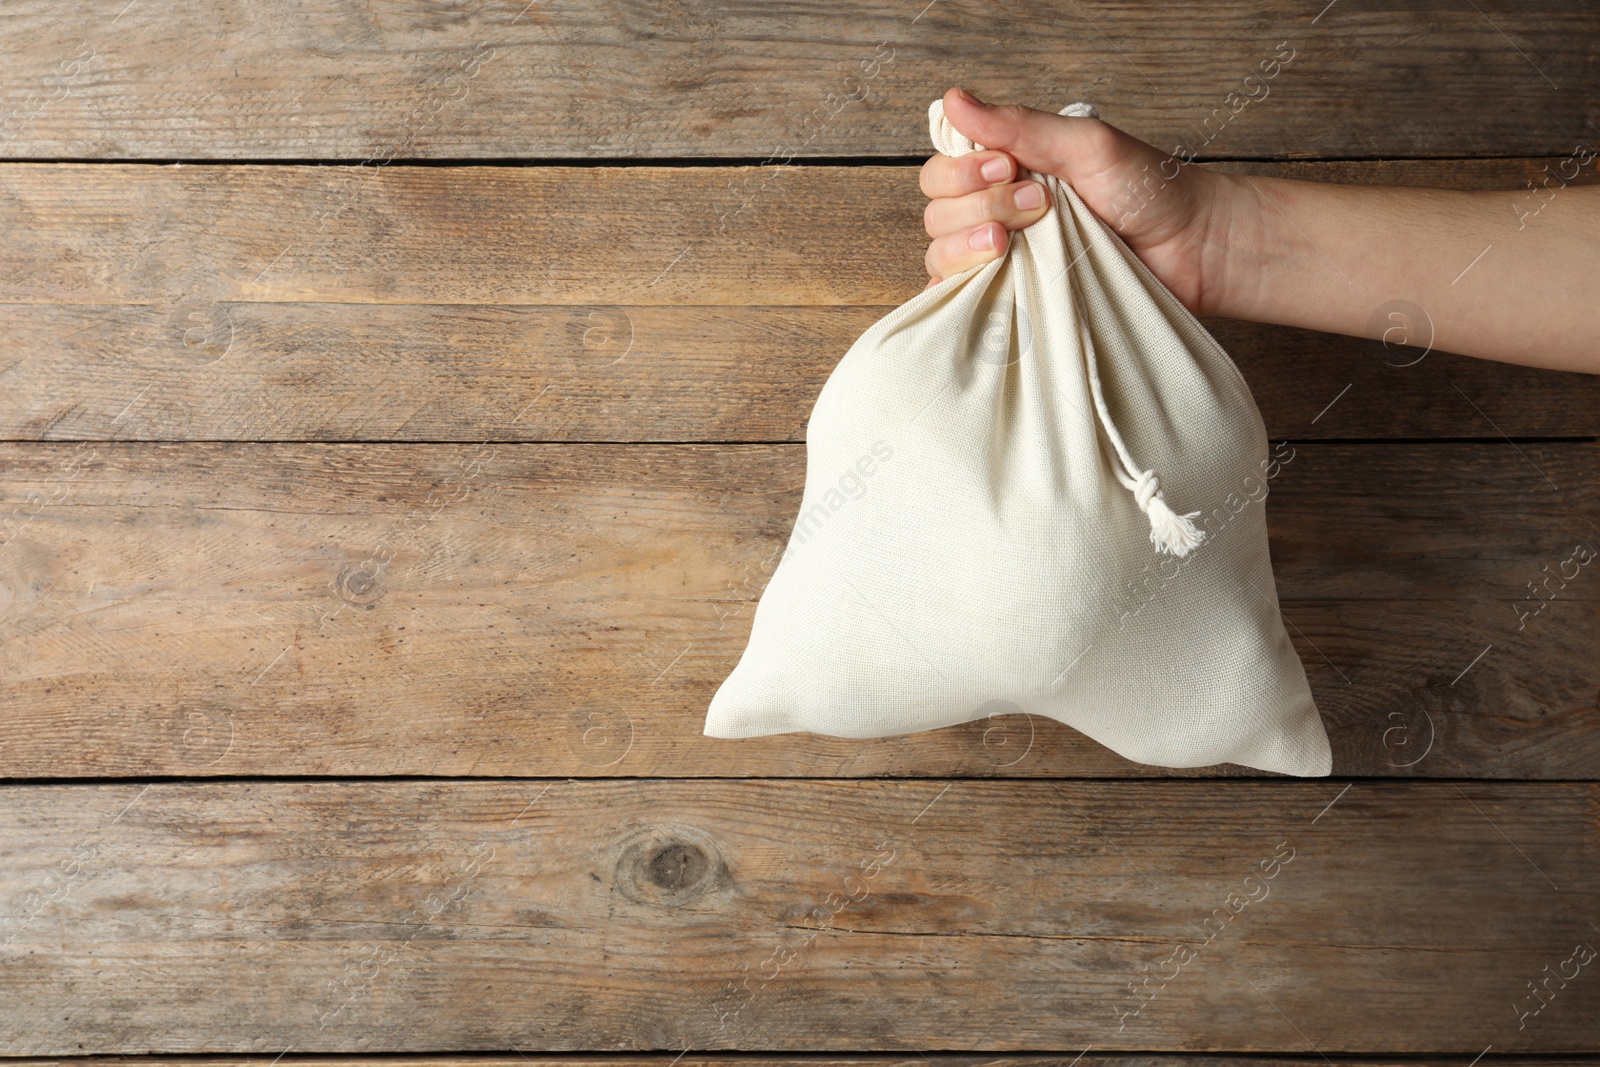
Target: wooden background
402, 401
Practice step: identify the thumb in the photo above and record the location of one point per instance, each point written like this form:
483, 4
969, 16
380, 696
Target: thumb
1038, 140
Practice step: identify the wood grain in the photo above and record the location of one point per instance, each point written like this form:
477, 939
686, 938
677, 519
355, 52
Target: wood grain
880, 1059
226, 609
436, 304
442, 372
207, 569
490, 79
628, 914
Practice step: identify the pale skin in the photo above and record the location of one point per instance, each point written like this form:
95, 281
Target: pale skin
1296, 253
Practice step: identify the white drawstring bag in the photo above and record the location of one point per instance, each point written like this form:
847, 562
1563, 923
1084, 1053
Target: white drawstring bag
1039, 482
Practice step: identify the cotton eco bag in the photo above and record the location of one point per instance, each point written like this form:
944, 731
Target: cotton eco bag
1038, 482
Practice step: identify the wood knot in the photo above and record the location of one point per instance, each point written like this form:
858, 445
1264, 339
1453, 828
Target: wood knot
677, 866
669, 866
358, 585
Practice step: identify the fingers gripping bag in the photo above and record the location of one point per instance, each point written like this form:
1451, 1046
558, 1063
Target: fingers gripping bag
1038, 482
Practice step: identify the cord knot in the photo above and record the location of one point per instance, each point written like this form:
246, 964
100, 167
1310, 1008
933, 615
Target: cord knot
1145, 489
1169, 531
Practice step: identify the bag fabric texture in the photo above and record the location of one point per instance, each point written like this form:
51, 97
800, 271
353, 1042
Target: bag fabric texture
1037, 485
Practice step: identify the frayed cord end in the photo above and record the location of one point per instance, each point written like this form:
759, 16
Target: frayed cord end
1173, 533
1169, 532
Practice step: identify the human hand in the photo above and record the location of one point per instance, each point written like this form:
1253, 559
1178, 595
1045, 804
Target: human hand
1172, 216
1312, 255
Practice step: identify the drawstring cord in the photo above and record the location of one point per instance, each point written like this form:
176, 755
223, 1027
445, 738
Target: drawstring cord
1169, 532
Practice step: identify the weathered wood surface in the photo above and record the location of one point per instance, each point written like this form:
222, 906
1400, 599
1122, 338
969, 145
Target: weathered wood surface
353, 372
774, 1059
289, 79
422, 303
566, 610
529, 609
629, 914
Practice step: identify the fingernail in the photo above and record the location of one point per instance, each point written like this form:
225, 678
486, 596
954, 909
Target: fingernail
1030, 196
968, 97
997, 169
980, 239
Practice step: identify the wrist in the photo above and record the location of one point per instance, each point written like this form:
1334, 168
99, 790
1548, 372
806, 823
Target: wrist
1235, 235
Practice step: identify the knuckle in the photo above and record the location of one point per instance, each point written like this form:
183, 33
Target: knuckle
1013, 114
964, 177
1098, 138
998, 203
962, 212
972, 170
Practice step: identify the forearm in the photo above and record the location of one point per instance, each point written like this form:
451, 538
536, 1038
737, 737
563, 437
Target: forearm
1475, 273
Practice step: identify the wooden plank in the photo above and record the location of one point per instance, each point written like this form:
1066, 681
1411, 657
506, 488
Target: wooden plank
420, 303
442, 372
217, 609
628, 914
283, 79
880, 1059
